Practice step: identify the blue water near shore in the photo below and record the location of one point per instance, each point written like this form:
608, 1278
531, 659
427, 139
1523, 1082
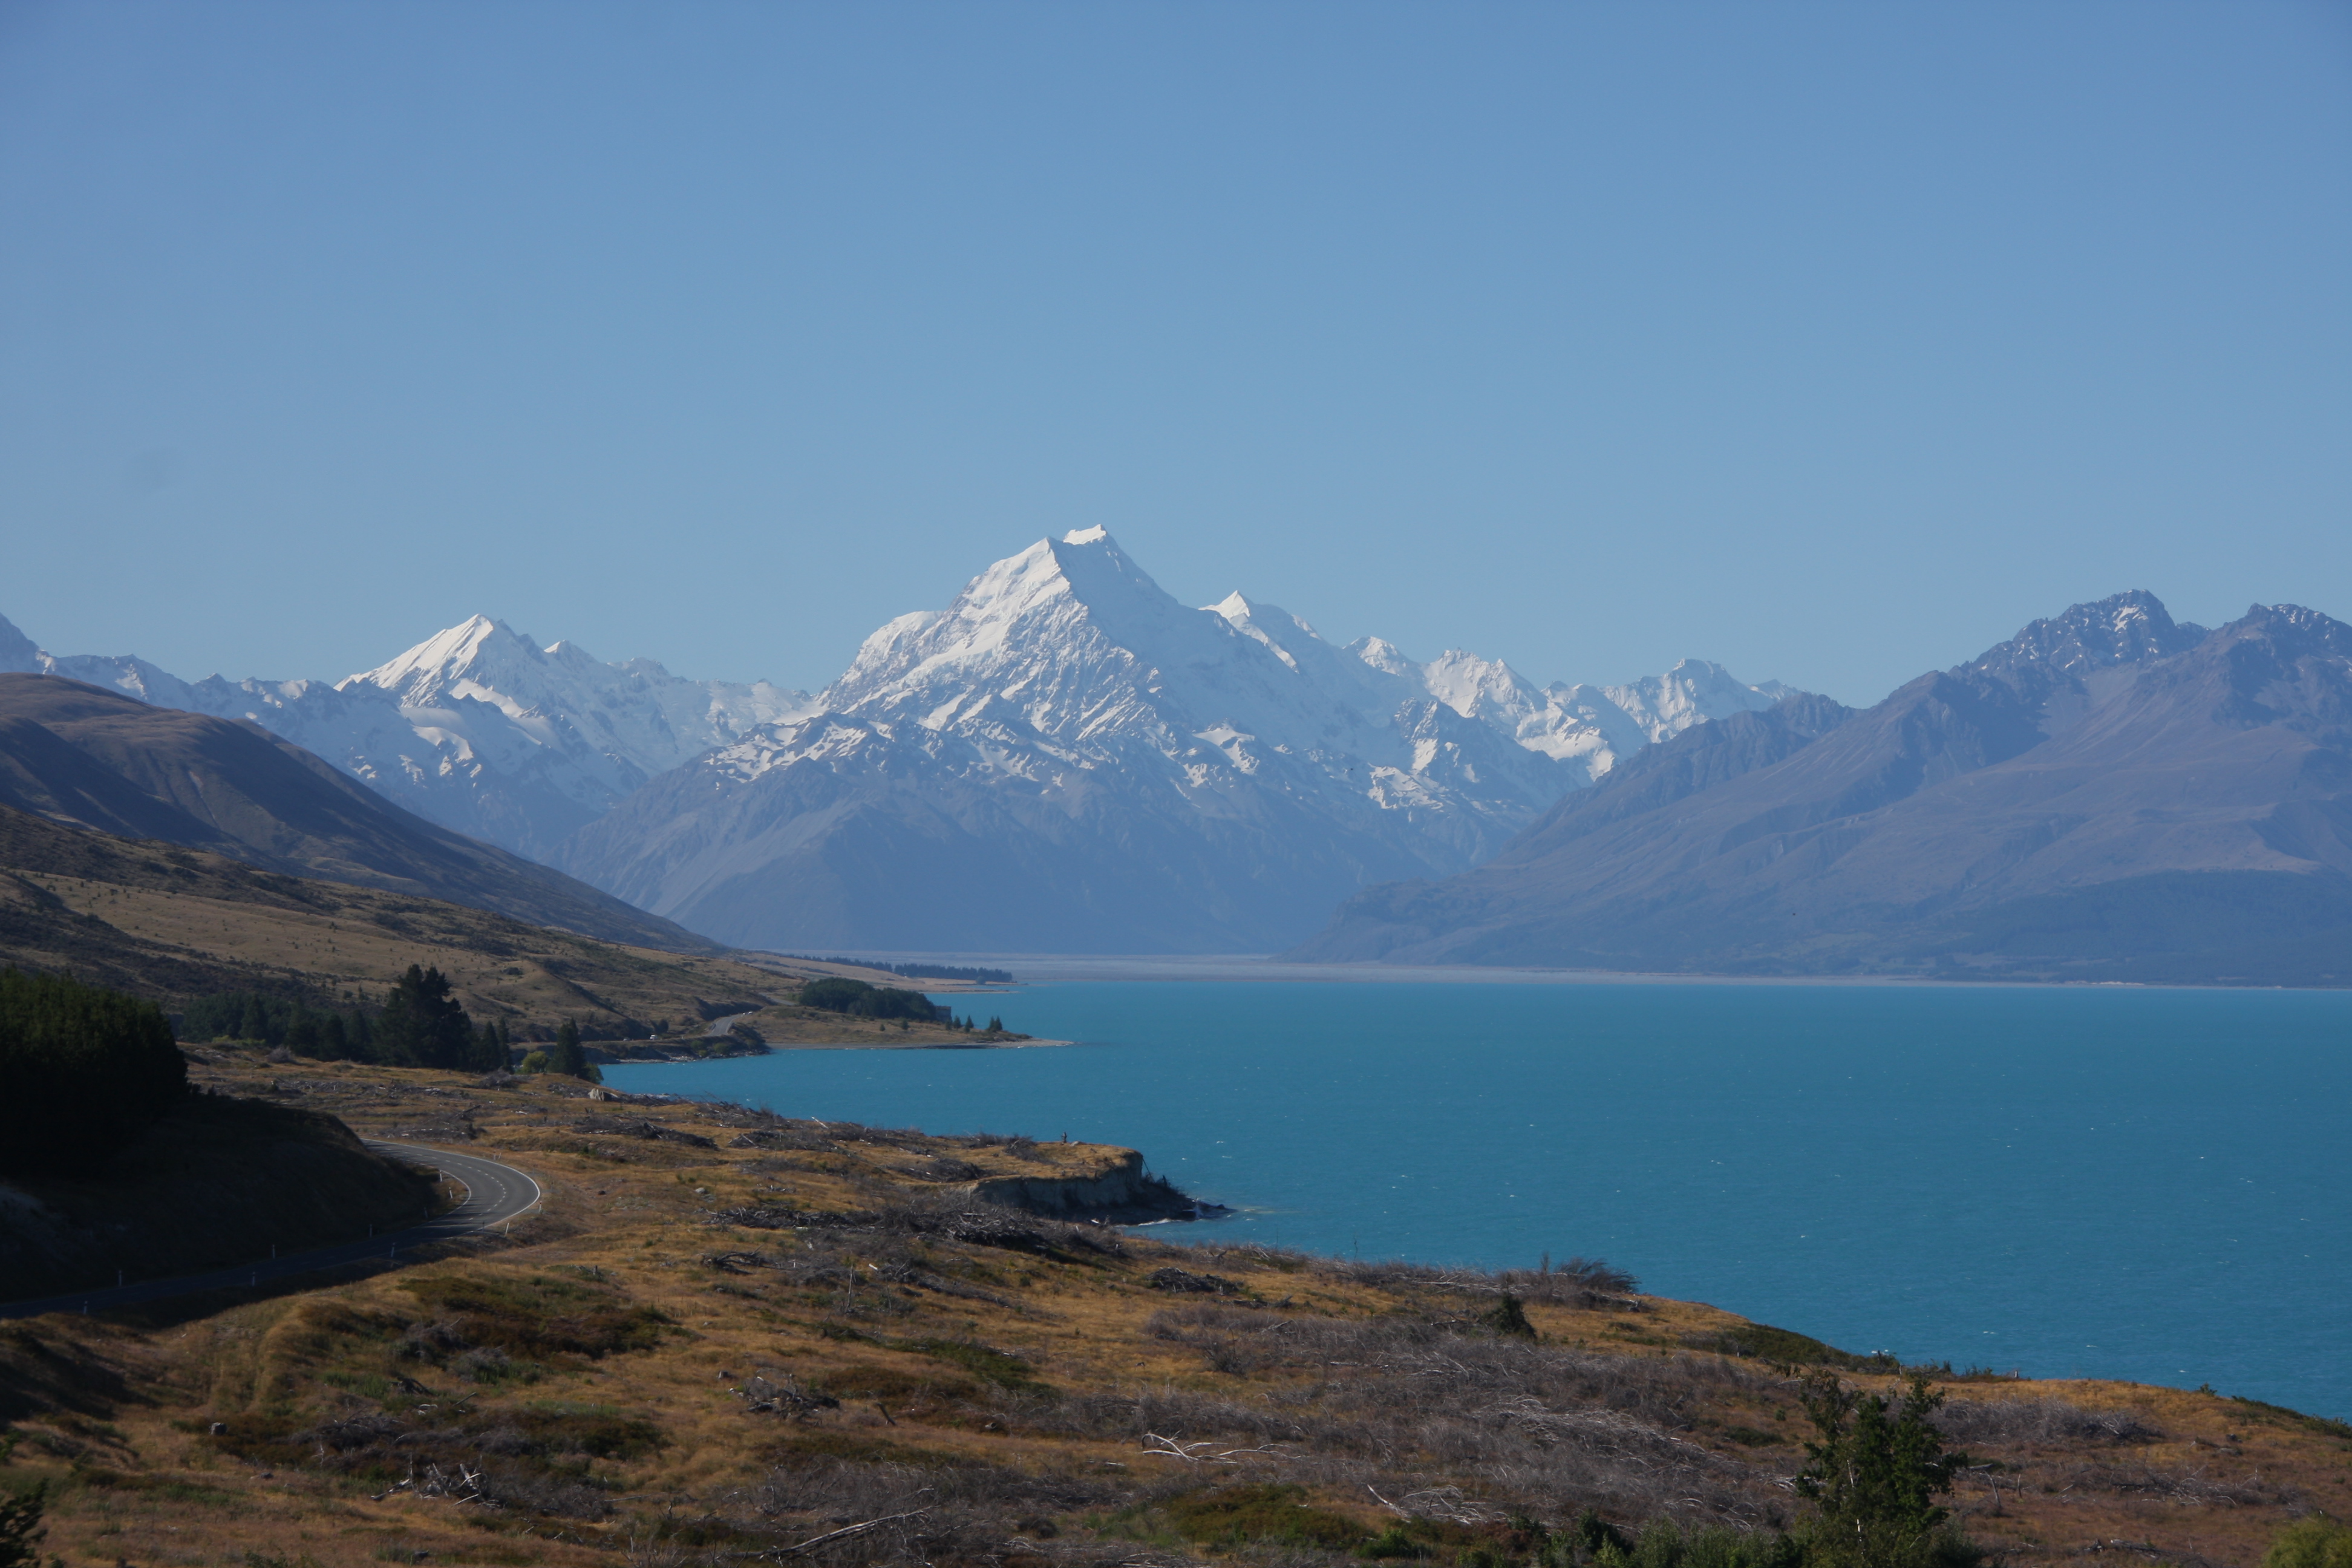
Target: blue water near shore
2146, 1184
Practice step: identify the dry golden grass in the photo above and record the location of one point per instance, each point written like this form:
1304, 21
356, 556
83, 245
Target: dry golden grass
176, 923
605, 1360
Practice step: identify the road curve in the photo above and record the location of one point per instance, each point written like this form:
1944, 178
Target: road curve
495, 1194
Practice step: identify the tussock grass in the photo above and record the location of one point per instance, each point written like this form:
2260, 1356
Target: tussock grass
803, 1338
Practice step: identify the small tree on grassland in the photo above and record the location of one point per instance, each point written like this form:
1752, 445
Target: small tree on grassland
1875, 1474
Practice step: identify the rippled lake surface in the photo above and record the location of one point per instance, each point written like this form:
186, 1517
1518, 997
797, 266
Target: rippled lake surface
2118, 1183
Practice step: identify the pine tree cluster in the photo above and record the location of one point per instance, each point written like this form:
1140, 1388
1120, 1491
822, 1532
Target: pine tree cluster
82, 1071
419, 1025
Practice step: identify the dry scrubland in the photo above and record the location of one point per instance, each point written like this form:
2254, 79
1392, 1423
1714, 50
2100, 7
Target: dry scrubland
162, 920
728, 1335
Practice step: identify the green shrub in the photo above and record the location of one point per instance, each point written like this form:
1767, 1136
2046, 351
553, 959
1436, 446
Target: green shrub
1509, 1318
1788, 1348
1235, 1516
82, 1072
1004, 1371
534, 1316
21, 1531
597, 1430
1875, 1474
2314, 1541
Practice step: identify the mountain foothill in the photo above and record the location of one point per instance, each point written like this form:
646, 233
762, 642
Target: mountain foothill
1068, 759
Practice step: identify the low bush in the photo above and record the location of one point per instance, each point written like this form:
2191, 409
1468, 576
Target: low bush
1266, 1514
2314, 1541
1785, 1347
531, 1318
21, 1530
1667, 1544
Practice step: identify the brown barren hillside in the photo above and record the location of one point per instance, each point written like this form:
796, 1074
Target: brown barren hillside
81, 755
172, 922
729, 1336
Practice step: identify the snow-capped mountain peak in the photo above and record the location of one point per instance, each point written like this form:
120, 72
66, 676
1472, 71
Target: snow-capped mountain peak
474, 645
1383, 654
636, 716
1694, 690
1064, 718
1122, 767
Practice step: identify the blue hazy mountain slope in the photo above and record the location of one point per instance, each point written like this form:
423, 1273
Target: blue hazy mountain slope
2108, 794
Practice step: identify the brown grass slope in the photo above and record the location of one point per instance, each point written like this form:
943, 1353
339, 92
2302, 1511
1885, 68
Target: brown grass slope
729, 1335
78, 753
172, 923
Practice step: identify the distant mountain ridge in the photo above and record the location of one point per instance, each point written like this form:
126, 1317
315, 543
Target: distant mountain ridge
1117, 768
2108, 794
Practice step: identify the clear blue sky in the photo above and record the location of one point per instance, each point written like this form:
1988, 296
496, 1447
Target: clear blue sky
1830, 341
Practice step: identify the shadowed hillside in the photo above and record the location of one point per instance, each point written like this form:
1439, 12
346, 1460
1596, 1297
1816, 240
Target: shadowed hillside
80, 754
2108, 796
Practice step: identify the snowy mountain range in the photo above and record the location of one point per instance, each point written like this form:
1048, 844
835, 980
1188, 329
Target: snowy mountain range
477, 727
1065, 758
2108, 796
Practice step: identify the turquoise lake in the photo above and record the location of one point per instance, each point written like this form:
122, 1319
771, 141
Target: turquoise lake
2115, 1183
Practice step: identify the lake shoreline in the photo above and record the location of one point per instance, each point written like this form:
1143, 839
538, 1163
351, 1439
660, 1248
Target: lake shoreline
1039, 969
1880, 1164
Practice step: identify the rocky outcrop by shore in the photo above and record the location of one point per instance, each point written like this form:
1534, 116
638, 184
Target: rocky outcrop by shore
1122, 1192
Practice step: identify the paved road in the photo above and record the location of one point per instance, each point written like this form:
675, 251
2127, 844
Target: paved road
495, 1193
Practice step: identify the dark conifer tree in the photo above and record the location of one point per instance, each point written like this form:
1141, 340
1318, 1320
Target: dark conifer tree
567, 1058
82, 1071
423, 1024
489, 1051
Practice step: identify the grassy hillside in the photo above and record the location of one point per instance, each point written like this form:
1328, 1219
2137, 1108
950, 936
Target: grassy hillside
162, 920
729, 1335
78, 753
